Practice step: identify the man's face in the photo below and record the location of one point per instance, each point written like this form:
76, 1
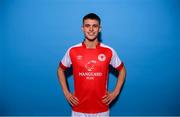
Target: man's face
91, 29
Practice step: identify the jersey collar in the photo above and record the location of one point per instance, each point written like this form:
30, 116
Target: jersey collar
97, 46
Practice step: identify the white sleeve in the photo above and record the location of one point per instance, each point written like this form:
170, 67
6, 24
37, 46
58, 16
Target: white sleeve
66, 60
115, 60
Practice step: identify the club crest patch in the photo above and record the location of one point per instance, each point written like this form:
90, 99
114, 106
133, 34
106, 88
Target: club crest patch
101, 57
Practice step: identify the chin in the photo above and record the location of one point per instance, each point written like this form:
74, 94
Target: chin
91, 39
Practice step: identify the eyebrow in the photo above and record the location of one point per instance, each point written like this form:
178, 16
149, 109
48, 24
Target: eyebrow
92, 24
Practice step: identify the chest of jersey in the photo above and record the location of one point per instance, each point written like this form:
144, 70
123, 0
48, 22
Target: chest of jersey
90, 59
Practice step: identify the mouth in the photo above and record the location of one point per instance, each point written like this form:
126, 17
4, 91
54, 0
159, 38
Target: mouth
91, 33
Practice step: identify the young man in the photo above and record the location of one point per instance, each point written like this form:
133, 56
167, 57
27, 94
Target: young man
90, 61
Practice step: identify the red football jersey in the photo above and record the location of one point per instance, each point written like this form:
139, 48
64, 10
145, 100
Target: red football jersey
90, 71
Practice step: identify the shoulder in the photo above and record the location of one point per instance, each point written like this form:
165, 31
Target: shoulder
74, 46
107, 47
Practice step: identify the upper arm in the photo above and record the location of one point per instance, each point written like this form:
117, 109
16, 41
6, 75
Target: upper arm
66, 61
116, 61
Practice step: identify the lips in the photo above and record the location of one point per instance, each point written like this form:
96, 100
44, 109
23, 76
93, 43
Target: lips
91, 34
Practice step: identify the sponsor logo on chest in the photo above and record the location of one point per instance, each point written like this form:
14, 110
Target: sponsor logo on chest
90, 74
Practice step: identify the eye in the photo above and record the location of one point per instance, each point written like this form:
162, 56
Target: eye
95, 26
86, 25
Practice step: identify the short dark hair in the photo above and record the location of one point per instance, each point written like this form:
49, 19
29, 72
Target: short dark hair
92, 16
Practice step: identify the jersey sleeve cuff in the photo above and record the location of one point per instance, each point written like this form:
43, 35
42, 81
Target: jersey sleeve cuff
119, 68
62, 66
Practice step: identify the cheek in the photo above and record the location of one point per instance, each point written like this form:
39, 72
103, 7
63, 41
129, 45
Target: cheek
97, 30
85, 29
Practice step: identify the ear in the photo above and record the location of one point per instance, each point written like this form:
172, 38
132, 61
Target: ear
100, 29
82, 28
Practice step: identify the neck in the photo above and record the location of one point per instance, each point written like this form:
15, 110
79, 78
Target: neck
91, 44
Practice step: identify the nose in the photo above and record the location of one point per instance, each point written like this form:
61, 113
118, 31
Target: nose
91, 28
